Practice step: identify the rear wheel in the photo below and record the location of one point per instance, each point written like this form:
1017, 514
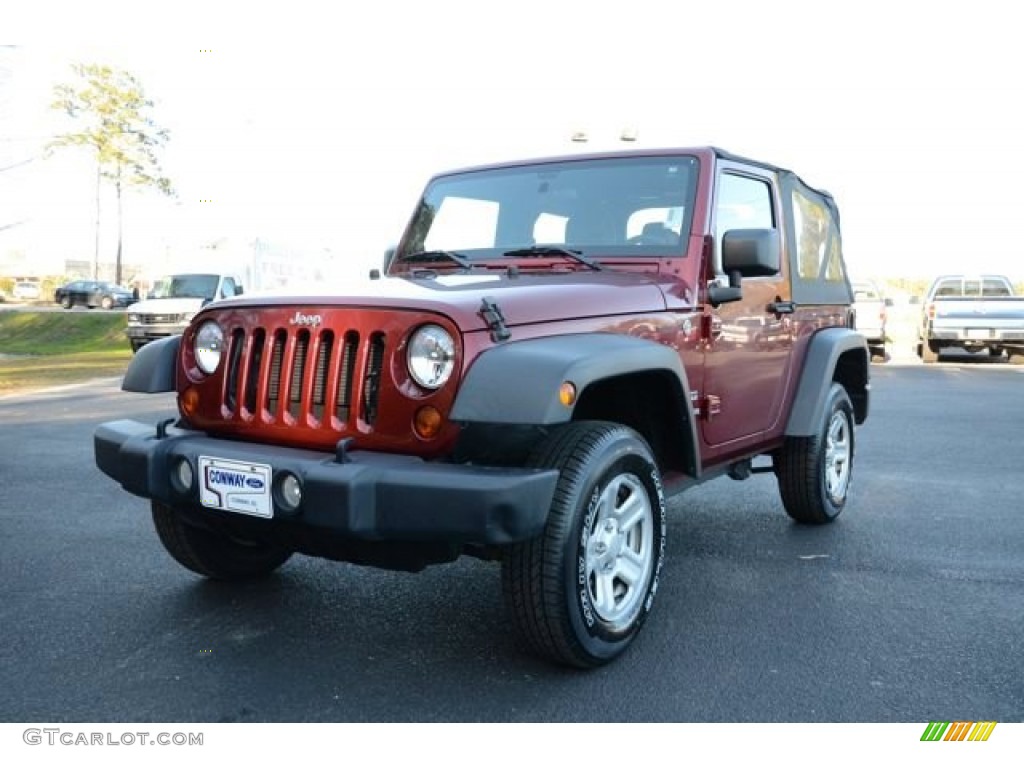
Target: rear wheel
814, 473
213, 554
136, 345
66, 302
106, 302
579, 593
929, 352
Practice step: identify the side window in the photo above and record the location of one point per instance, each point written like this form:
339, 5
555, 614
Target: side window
818, 251
995, 288
743, 203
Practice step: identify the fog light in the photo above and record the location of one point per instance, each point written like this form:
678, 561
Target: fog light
427, 422
182, 477
289, 492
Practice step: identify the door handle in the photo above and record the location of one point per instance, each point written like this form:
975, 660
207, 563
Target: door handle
780, 307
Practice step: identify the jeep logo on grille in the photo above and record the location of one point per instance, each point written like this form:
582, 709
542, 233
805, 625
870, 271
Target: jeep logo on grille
311, 320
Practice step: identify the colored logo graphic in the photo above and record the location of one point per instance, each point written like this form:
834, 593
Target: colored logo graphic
959, 731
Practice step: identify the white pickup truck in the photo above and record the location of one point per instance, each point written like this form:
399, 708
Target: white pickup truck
173, 302
972, 312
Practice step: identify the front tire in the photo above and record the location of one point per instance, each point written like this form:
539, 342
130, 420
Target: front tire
814, 473
66, 302
107, 303
579, 593
211, 554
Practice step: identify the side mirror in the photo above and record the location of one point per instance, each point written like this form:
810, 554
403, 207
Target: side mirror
746, 253
238, 290
751, 252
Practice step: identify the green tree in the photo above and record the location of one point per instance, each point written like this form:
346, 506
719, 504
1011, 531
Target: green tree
109, 114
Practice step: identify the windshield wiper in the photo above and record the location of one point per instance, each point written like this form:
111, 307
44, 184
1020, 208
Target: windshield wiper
427, 256
540, 251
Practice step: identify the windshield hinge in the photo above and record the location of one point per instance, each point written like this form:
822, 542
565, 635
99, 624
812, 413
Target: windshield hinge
491, 313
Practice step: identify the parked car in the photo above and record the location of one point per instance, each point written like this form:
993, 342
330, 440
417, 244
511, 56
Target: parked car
871, 314
538, 369
173, 303
972, 312
25, 291
93, 293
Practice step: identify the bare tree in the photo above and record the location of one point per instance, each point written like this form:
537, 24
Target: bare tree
109, 113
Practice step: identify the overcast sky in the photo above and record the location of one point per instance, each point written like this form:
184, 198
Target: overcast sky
324, 132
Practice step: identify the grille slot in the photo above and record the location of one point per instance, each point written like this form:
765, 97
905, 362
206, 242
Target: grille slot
345, 375
320, 373
371, 380
252, 380
298, 375
235, 348
274, 375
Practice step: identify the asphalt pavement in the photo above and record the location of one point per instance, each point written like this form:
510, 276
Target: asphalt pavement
909, 609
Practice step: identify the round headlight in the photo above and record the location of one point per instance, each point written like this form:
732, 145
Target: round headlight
431, 356
209, 346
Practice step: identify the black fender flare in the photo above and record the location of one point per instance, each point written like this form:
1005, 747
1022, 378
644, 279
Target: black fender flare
517, 383
153, 368
823, 359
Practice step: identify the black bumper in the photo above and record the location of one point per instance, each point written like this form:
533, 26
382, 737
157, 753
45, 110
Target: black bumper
371, 496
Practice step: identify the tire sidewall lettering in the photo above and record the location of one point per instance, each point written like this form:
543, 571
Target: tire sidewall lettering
619, 459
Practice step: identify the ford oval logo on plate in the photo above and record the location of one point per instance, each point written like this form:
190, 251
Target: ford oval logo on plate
254, 482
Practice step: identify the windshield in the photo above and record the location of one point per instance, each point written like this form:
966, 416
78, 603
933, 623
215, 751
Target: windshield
633, 206
186, 287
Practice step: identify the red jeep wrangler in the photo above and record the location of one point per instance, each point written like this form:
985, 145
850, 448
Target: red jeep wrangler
556, 346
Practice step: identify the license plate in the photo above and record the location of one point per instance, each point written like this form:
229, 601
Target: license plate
979, 333
235, 486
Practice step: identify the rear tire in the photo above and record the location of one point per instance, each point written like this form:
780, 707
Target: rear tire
579, 592
211, 554
106, 302
814, 473
66, 302
929, 353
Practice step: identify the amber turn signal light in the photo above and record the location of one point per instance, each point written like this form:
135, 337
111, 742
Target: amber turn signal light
190, 401
427, 422
567, 393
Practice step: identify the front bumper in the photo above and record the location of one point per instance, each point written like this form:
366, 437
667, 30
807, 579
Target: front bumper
154, 331
366, 495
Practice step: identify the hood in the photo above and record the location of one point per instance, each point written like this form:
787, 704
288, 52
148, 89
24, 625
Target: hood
166, 306
522, 299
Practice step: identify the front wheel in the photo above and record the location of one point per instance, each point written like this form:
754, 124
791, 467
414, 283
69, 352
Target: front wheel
66, 302
214, 554
579, 593
814, 473
106, 302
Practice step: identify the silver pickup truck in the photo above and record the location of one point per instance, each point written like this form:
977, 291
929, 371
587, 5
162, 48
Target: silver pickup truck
972, 313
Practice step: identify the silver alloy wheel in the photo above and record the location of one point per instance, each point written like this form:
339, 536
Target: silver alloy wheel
620, 551
837, 456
